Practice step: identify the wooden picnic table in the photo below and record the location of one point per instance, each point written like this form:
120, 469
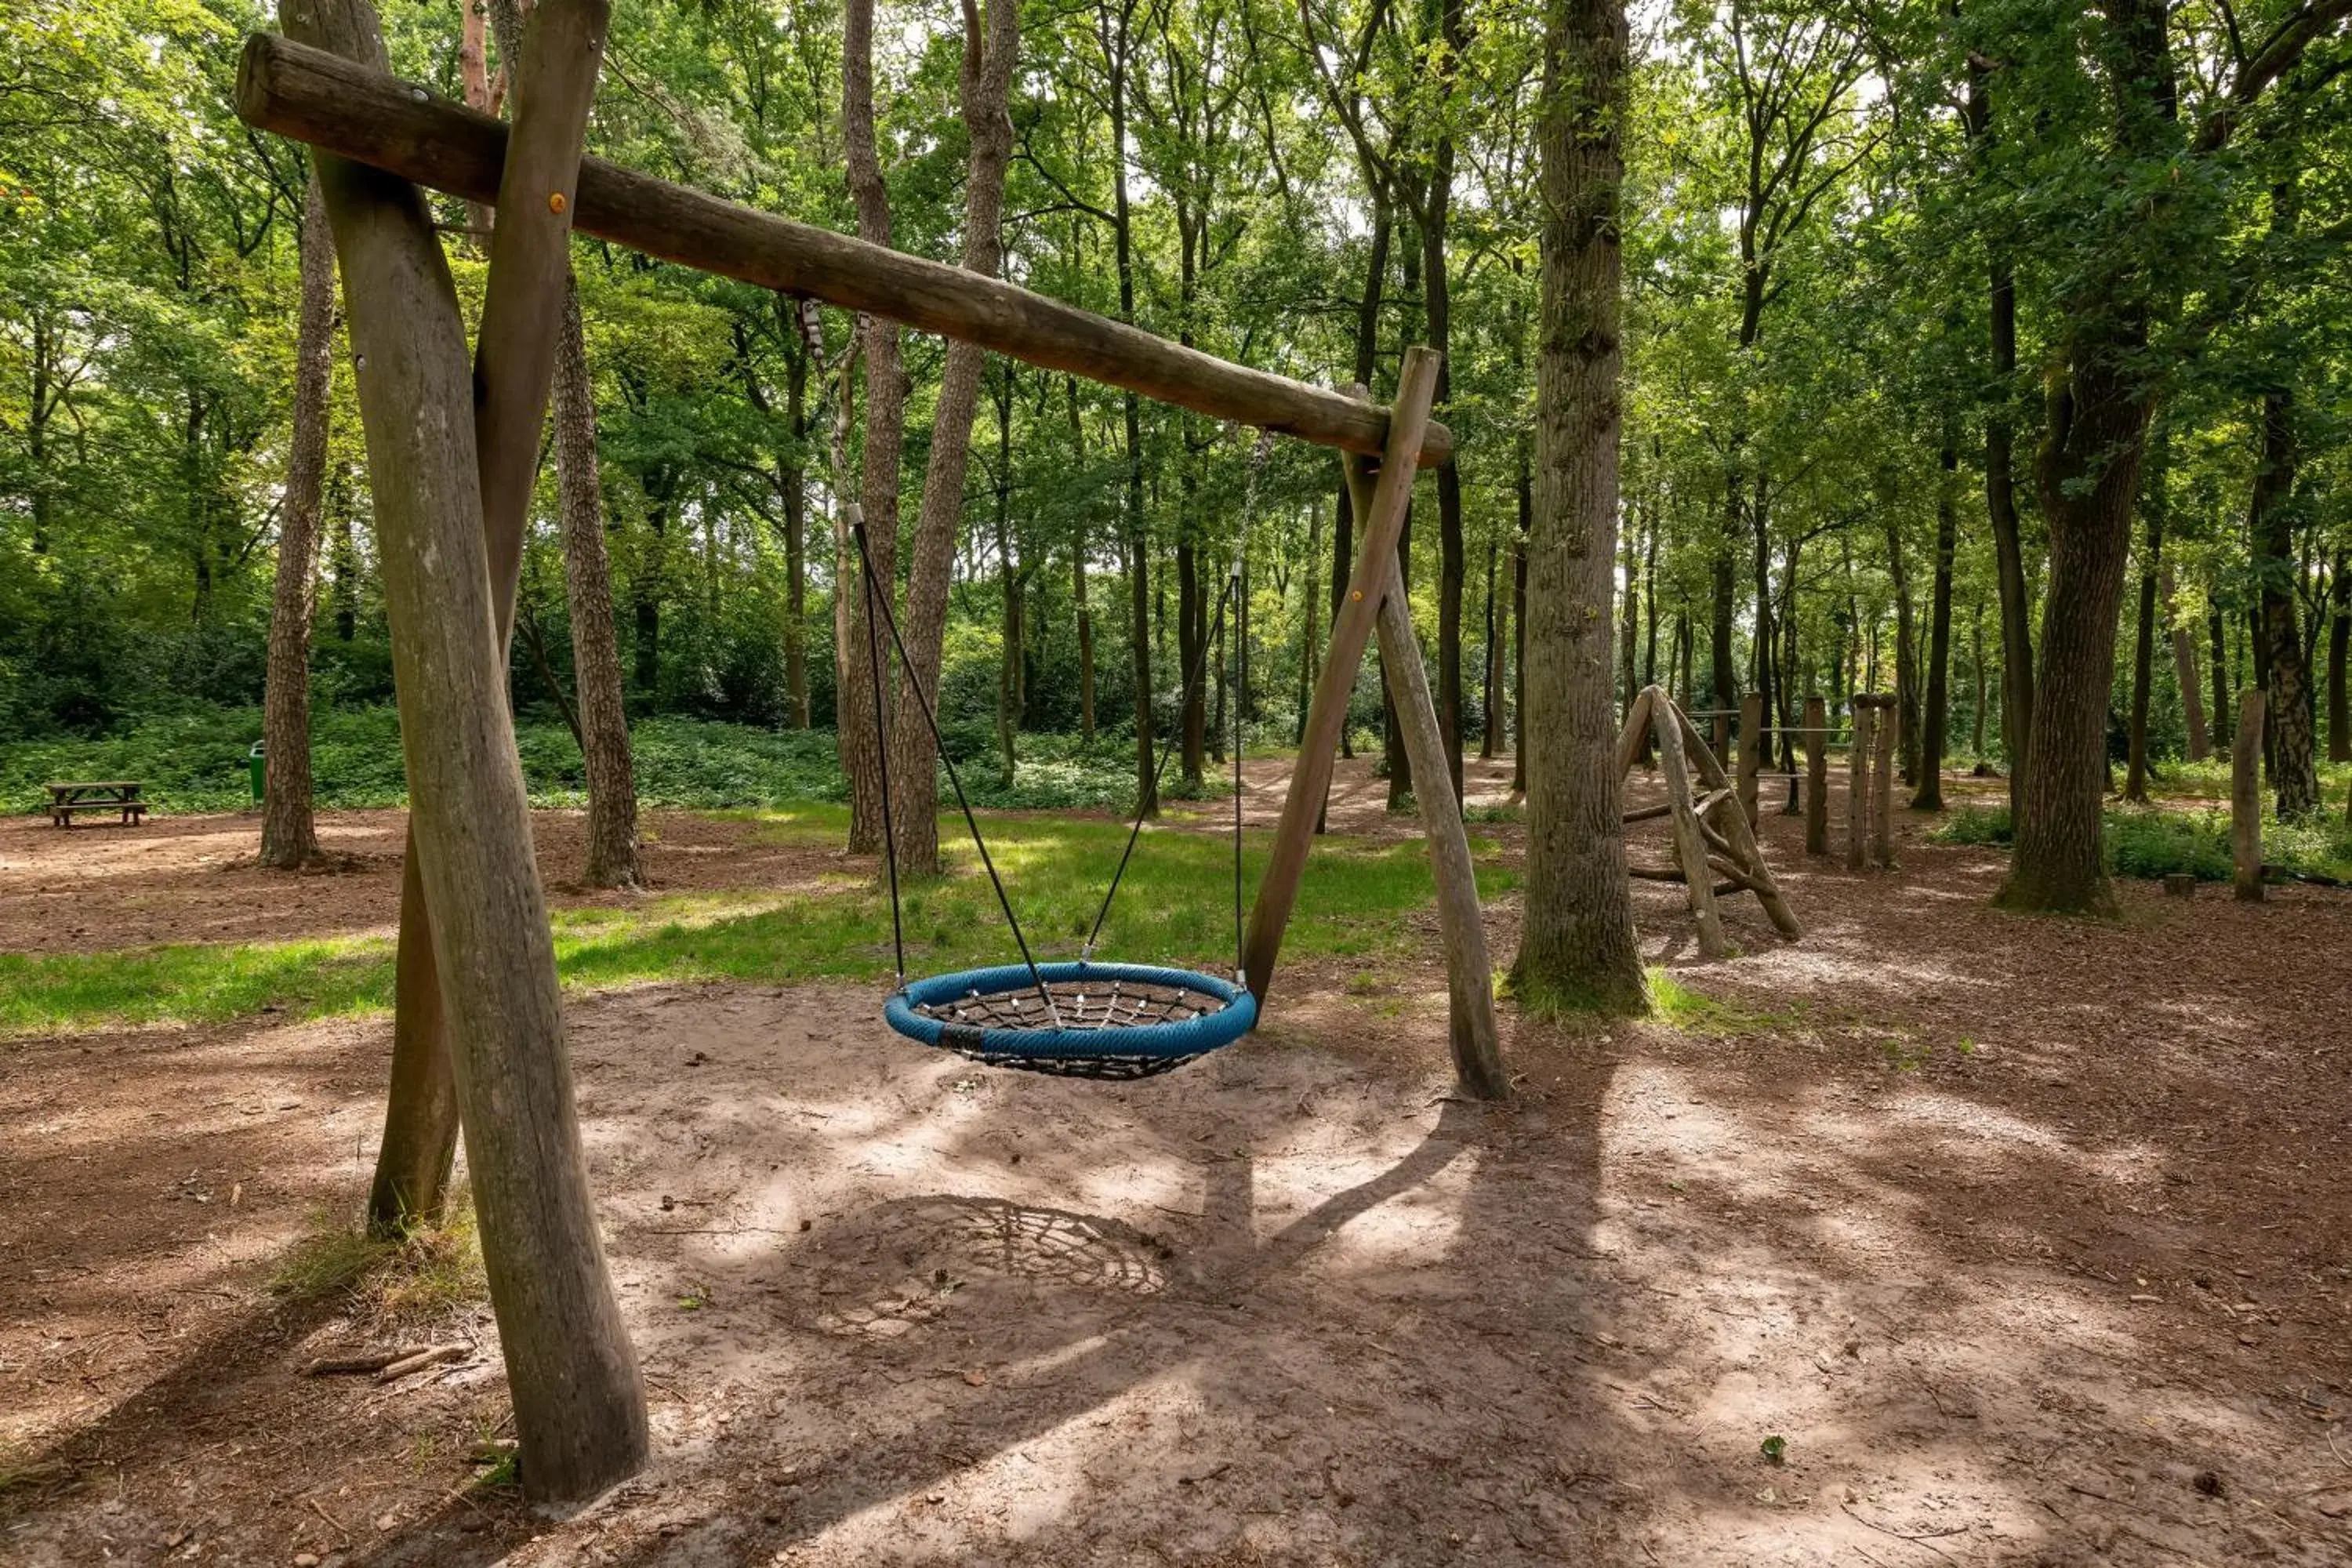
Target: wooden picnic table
120, 795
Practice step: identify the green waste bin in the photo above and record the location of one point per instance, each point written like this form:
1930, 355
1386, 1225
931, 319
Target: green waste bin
259, 770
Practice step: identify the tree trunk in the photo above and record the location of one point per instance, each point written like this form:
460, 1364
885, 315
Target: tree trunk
2151, 572
2184, 666
1490, 674
1577, 947
1079, 545
580, 1407
2287, 679
588, 594
1009, 666
288, 839
1519, 625
1906, 667
1191, 654
2339, 645
2000, 476
1928, 792
987, 76
1311, 602
791, 480
856, 699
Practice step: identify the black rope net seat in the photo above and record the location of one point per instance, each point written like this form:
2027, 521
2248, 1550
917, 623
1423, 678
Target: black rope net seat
1080, 1020
1076, 1020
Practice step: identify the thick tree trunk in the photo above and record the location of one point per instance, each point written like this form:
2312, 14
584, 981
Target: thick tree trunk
2295, 775
288, 840
1576, 946
580, 1407
2089, 479
588, 592
886, 414
2151, 572
1519, 629
987, 76
1927, 794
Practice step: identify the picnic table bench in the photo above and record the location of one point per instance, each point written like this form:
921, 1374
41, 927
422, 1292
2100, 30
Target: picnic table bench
110, 794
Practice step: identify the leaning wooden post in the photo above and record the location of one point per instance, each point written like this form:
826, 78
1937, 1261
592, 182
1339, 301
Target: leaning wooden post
1351, 628
1476, 1036
2246, 796
1881, 785
1817, 776
1751, 725
1746, 853
1634, 737
1690, 843
580, 1409
1857, 781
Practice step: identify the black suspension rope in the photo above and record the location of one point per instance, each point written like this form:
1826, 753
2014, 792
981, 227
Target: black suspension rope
882, 761
877, 597
1135, 830
1239, 591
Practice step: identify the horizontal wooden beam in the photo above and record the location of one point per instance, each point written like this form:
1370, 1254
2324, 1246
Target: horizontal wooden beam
368, 116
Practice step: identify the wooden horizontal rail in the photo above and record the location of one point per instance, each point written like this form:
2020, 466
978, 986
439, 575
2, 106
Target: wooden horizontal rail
352, 111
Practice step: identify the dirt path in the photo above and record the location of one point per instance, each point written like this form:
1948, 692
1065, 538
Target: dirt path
2027, 1236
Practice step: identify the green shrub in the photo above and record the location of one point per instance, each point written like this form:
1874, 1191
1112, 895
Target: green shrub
2155, 842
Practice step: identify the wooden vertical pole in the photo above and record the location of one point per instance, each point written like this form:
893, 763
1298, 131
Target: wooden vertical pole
1351, 628
1633, 738
1817, 776
2246, 796
1857, 781
1690, 843
1751, 725
1476, 1036
1882, 784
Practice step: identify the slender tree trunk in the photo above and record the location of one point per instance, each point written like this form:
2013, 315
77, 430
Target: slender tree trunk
588, 595
1191, 631
1368, 340
1907, 672
2000, 476
1310, 646
2294, 776
885, 415
2339, 645
2151, 572
1079, 546
1928, 794
1976, 656
1577, 947
579, 1401
2184, 669
2217, 643
987, 76
1009, 694
344, 561
791, 476
288, 840
1490, 673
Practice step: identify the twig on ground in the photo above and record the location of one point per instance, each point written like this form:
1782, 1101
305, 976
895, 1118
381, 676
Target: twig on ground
1926, 1538
431, 1356
371, 1362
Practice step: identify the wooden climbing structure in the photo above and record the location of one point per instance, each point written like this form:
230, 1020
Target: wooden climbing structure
1715, 851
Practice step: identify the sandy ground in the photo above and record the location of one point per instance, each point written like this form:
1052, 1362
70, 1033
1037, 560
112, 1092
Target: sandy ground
2028, 1237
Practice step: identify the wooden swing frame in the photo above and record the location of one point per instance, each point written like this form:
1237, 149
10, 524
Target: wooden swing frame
344, 108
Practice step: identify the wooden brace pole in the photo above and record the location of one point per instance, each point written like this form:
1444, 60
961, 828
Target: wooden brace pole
1476, 1038
1857, 782
1690, 844
1351, 629
1629, 738
373, 118
1739, 839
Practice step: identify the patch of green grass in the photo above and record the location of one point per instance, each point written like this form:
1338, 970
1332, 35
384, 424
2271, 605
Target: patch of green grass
1175, 907
2157, 841
428, 1273
1695, 1012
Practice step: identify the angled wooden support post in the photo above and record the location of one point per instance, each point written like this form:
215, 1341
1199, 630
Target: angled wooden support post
1690, 839
2246, 797
1351, 629
1817, 776
579, 1401
1857, 781
1472, 1030
1636, 732
1747, 857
